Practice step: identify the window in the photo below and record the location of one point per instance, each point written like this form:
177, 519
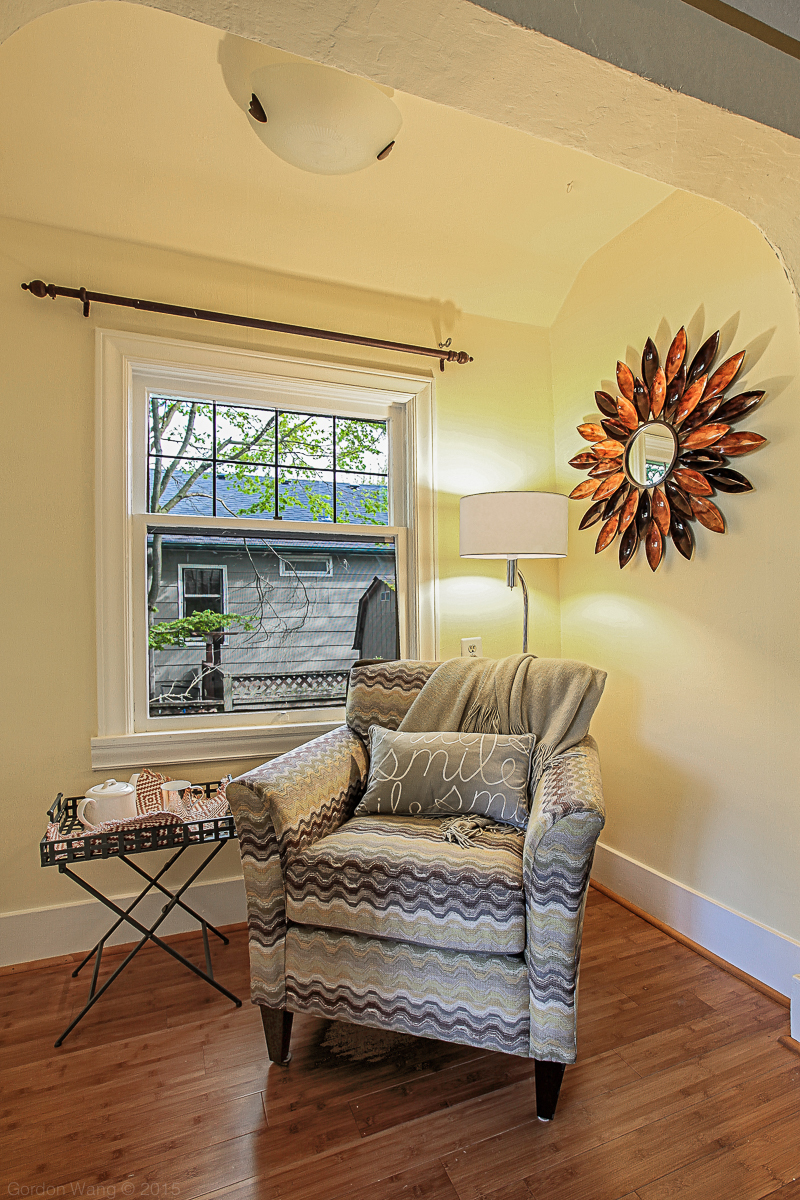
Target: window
200, 589
262, 522
306, 566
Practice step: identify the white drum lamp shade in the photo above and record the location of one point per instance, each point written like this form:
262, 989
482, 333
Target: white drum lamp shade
514, 525
323, 120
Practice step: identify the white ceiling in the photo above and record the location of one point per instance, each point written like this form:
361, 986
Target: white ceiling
124, 121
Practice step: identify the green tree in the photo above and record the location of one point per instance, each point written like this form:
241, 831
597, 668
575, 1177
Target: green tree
164, 635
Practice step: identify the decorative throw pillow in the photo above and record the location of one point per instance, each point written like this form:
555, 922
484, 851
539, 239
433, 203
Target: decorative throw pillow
441, 774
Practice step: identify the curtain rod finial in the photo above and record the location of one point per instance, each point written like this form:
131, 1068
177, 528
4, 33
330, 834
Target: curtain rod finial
36, 287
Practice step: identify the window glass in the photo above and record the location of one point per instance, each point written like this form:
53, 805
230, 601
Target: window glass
203, 590
212, 459
248, 623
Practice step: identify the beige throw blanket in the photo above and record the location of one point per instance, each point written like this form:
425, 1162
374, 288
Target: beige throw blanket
552, 698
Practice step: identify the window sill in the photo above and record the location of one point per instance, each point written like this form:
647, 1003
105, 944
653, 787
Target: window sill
157, 749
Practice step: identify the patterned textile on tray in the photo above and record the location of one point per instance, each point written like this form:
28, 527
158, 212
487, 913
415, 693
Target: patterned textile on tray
475, 999
382, 693
193, 805
149, 797
394, 877
279, 808
447, 773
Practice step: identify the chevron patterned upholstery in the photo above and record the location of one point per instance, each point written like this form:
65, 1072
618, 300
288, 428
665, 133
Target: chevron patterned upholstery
395, 877
378, 920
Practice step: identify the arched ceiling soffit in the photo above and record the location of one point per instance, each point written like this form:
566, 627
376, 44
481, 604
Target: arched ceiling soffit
471, 59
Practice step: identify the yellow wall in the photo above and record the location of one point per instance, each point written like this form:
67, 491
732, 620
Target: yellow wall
698, 725
47, 381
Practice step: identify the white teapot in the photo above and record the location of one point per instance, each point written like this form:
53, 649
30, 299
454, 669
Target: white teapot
109, 801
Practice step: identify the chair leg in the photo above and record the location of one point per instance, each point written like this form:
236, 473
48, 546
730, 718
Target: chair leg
548, 1085
277, 1024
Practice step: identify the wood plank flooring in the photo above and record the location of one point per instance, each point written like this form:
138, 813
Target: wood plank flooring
681, 1089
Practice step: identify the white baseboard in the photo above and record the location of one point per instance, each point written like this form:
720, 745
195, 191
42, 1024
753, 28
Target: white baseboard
767, 955
37, 933
752, 947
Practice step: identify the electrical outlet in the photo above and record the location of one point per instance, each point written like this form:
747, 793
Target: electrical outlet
471, 647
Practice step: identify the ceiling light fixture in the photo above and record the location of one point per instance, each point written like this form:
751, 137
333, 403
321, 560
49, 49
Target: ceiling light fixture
320, 119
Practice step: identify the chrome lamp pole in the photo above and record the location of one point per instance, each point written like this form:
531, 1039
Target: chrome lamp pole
513, 573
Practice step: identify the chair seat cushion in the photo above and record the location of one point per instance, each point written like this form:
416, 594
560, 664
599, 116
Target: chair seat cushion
396, 877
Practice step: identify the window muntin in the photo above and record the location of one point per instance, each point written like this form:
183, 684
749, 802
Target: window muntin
296, 613
207, 458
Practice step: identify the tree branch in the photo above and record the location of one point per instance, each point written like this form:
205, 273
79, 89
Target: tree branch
170, 471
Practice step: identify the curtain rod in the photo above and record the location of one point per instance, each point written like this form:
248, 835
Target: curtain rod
40, 289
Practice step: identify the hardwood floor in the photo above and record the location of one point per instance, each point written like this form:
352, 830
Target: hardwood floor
681, 1089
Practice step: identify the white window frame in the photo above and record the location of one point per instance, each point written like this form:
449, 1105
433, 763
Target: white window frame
130, 366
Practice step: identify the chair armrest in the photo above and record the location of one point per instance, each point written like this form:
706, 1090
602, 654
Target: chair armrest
566, 818
278, 808
309, 791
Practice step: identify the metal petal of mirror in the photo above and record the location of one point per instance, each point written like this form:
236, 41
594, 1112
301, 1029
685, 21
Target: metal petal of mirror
662, 447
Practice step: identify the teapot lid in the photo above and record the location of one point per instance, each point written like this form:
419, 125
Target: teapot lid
110, 788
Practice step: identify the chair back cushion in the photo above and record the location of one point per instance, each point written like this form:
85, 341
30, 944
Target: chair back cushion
382, 693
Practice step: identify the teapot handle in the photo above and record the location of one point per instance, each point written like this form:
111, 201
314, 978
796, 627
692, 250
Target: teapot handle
80, 809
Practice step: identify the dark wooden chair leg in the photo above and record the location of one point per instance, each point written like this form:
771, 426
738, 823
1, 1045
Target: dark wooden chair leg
277, 1024
548, 1085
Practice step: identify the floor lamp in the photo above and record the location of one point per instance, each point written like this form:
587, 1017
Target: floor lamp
514, 525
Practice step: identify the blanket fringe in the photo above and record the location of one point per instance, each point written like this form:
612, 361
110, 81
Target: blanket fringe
481, 718
462, 830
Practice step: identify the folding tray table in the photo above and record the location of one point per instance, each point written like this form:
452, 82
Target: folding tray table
78, 846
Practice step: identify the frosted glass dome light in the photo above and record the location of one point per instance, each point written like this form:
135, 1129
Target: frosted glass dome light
320, 119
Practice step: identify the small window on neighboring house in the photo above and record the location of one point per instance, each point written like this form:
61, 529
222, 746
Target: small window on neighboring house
317, 567
202, 589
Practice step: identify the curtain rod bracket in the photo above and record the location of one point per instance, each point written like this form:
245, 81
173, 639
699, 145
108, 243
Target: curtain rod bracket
40, 289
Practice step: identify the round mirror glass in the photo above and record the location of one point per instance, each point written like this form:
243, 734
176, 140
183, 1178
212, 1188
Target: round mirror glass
650, 453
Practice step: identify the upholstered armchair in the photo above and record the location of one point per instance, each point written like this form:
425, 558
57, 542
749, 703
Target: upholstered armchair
378, 920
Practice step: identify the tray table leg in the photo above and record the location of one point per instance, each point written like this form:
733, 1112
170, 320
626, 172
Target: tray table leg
147, 935
209, 968
96, 970
153, 882
175, 896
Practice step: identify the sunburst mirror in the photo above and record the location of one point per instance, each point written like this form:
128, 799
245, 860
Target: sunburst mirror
661, 450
